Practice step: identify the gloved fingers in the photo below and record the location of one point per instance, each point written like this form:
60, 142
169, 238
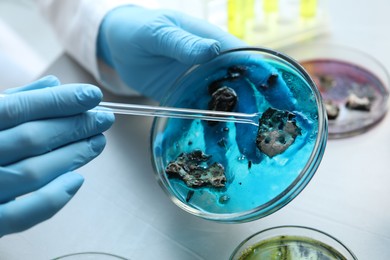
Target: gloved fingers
35, 172
166, 38
25, 212
41, 136
44, 82
188, 39
204, 29
64, 100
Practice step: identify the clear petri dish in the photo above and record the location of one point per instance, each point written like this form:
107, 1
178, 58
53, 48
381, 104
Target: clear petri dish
292, 243
354, 86
233, 172
90, 256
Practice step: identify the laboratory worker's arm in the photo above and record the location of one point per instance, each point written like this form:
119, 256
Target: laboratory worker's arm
45, 134
145, 48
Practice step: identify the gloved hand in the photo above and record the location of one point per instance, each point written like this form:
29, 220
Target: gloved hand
45, 134
150, 49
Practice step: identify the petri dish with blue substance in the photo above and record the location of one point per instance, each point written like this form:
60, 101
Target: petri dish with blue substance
236, 172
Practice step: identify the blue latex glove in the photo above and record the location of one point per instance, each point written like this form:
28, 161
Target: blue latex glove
150, 49
45, 134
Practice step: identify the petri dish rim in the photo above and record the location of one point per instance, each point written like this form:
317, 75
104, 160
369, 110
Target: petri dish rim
90, 254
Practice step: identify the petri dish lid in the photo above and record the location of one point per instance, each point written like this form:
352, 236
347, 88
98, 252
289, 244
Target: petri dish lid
354, 86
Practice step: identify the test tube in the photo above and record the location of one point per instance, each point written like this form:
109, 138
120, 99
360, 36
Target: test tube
270, 6
271, 13
240, 14
308, 8
235, 9
249, 9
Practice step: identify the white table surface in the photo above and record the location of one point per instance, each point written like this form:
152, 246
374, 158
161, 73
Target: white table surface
122, 210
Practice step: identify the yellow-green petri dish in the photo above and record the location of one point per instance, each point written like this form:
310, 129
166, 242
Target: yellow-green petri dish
292, 243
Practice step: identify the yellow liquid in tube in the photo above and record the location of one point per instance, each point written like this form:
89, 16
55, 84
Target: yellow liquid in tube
240, 13
270, 6
308, 8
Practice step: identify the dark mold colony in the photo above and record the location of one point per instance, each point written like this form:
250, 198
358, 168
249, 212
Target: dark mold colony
277, 131
193, 169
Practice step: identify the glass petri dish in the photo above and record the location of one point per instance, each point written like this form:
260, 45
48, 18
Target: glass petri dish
354, 86
234, 172
292, 243
90, 256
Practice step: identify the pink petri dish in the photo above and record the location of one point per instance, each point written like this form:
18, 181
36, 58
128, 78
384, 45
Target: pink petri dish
354, 86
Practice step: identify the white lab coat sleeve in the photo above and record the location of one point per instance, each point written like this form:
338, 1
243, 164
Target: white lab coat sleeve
76, 23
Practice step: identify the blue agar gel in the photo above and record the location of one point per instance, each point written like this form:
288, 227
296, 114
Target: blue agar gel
253, 178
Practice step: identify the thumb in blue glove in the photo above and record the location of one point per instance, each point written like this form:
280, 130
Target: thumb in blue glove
150, 49
46, 133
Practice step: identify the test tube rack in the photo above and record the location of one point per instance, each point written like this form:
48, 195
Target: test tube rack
275, 29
